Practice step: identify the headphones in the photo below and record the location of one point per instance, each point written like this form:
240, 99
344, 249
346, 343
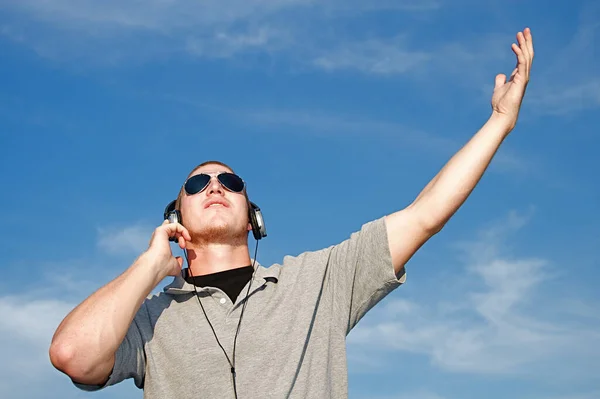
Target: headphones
254, 216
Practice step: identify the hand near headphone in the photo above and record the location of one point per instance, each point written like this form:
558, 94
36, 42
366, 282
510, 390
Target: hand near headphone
160, 248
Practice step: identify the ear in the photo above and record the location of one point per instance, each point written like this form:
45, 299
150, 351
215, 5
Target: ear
249, 227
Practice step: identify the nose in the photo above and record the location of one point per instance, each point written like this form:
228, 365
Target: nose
214, 186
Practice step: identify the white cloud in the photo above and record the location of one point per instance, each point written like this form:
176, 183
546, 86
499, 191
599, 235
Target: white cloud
562, 99
422, 394
492, 323
350, 126
569, 81
26, 328
306, 34
375, 56
125, 240
27, 324
112, 32
225, 44
31, 320
157, 15
584, 395
165, 16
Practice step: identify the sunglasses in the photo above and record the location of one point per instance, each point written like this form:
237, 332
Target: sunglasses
198, 183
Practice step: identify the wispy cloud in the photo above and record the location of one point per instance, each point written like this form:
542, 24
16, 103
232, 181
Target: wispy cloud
30, 313
583, 395
112, 33
422, 394
26, 328
175, 15
352, 126
224, 44
124, 240
27, 324
212, 29
570, 82
31, 320
494, 325
344, 126
562, 99
115, 32
375, 56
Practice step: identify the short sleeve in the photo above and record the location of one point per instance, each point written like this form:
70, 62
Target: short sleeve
361, 271
130, 358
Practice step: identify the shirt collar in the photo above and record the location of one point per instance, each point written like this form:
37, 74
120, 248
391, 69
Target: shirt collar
179, 286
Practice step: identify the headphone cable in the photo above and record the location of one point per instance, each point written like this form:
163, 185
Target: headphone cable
232, 364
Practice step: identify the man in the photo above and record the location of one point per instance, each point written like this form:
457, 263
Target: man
227, 328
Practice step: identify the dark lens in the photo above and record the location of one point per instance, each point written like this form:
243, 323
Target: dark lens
196, 183
232, 182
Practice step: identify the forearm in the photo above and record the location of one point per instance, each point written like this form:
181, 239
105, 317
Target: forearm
449, 189
85, 342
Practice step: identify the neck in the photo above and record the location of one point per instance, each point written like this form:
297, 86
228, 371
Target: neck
214, 258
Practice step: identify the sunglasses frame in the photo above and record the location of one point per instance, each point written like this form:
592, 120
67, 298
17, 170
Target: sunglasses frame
211, 175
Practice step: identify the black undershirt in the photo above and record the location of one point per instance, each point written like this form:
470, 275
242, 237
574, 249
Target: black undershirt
230, 282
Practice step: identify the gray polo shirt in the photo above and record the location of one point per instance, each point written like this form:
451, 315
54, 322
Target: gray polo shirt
292, 339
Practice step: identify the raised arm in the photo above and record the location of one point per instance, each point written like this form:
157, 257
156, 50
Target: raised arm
85, 343
411, 227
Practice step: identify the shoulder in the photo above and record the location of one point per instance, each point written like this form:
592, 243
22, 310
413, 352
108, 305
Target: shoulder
153, 306
372, 232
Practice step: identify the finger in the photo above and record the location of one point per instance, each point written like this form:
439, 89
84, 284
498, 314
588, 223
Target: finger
177, 231
512, 75
529, 41
521, 61
181, 242
173, 229
179, 260
524, 49
500, 80
186, 234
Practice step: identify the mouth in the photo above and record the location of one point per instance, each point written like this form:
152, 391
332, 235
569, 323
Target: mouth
216, 204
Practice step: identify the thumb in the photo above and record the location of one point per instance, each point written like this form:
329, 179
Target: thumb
179, 260
500, 80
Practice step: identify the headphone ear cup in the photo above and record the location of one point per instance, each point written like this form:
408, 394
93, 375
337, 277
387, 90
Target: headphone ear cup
172, 215
256, 221
169, 209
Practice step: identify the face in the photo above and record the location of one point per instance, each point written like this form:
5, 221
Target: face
215, 215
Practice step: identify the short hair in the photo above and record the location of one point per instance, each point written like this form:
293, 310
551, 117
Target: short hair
182, 190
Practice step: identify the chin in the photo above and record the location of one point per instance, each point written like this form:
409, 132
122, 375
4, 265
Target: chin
222, 234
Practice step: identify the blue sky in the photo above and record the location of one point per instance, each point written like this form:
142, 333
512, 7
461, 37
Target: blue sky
335, 113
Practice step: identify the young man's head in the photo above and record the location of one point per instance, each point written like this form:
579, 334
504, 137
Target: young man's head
214, 210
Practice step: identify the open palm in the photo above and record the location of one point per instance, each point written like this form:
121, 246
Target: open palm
508, 95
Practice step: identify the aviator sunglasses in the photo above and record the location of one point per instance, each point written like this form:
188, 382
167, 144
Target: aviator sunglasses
197, 183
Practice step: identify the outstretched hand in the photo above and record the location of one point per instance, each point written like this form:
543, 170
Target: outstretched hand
508, 95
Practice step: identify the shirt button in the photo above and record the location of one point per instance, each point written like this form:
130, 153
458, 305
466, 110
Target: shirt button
223, 300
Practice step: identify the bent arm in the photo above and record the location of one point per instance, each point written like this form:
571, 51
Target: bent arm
85, 343
411, 227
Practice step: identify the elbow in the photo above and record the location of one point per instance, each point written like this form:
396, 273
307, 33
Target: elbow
429, 220
67, 359
432, 225
434, 228
62, 356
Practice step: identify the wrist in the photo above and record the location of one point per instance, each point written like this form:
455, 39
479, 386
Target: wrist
502, 122
151, 266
